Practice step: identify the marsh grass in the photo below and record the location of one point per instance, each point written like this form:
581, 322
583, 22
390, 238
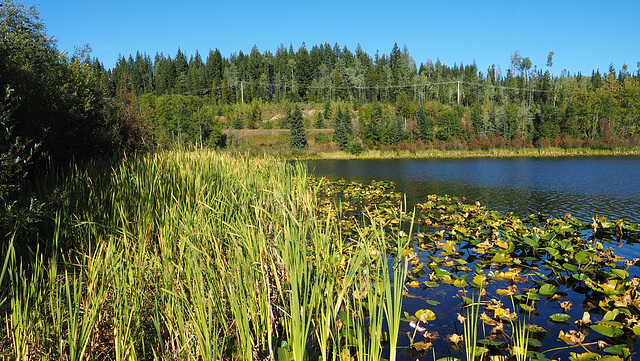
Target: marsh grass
470, 326
199, 255
519, 337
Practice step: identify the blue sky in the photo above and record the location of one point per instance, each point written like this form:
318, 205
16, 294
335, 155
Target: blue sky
583, 34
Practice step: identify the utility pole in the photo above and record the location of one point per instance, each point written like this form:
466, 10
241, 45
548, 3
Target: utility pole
242, 91
458, 91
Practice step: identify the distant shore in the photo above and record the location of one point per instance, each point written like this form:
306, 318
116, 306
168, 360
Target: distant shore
483, 153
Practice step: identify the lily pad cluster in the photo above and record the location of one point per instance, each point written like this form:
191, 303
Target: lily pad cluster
561, 276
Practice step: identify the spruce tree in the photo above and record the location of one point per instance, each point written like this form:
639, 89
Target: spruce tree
341, 134
327, 110
319, 120
298, 137
346, 121
425, 124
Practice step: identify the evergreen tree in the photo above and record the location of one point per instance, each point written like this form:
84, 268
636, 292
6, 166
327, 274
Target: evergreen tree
319, 120
425, 125
346, 121
327, 110
371, 128
341, 134
298, 137
448, 125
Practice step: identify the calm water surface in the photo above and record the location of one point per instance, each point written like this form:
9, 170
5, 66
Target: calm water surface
581, 186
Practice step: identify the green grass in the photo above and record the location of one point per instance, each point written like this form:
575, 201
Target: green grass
196, 255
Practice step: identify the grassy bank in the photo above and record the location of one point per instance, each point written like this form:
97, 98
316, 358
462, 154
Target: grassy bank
198, 255
497, 152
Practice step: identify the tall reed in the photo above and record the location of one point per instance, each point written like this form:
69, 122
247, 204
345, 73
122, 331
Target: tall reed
470, 326
197, 255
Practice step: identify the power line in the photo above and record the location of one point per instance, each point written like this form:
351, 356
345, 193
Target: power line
361, 88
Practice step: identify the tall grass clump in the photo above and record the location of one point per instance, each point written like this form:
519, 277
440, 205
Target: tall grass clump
197, 255
470, 326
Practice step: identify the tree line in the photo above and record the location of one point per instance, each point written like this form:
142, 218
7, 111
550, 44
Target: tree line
523, 105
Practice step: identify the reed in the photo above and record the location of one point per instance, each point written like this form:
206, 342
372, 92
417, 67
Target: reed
470, 326
197, 255
519, 337
393, 288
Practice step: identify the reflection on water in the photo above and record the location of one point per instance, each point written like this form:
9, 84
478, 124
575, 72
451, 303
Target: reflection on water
581, 186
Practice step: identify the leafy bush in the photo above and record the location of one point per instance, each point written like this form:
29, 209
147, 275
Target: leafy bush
322, 138
355, 146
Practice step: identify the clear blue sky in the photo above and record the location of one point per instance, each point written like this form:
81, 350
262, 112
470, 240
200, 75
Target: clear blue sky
583, 34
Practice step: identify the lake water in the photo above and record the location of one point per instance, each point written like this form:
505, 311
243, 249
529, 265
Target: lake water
581, 186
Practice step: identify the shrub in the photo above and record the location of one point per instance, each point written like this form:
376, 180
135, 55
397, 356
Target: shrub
355, 146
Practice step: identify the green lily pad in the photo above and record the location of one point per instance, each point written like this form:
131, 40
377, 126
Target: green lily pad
579, 276
527, 308
584, 257
487, 342
618, 349
560, 317
530, 242
431, 284
620, 273
548, 290
570, 267
611, 315
607, 331
460, 283
534, 342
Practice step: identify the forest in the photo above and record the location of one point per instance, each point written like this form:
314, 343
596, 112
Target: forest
389, 97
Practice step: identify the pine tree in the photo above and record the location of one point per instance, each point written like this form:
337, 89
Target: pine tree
319, 120
341, 134
327, 110
425, 124
298, 137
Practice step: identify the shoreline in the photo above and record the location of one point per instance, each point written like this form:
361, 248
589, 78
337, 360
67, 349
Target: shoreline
493, 153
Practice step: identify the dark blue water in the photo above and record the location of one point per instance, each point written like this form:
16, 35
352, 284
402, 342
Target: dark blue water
581, 186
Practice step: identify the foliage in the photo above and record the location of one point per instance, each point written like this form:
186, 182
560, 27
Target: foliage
60, 98
16, 153
194, 255
356, 146
342, 127
298, 137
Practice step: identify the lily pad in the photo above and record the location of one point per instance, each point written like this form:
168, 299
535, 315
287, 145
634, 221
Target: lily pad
620, 349
584, 257
548, 290
607, 331
487, 342
560, 317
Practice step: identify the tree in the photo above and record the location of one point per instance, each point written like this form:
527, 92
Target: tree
319, 120
448, 125
426, 125
550, 59
16, 154
61, 103
341, 134
298, 137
